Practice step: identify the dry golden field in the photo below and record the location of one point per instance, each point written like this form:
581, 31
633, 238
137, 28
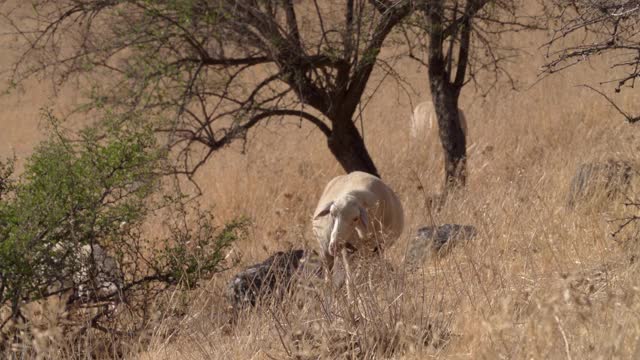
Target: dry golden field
539, 282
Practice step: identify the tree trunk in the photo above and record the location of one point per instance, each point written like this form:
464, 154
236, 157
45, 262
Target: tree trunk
348, 147
445, 93
452, 137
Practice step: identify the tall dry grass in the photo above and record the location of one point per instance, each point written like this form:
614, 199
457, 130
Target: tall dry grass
539, 281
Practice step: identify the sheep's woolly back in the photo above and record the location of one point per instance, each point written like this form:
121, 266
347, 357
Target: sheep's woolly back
424, 118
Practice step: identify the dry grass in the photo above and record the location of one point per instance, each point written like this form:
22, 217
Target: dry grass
538, 282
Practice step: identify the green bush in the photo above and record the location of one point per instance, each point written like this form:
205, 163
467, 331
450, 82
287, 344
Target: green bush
92, 191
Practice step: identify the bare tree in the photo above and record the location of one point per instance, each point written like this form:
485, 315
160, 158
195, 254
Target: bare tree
586, 29
589, 29
462, 45
209, 71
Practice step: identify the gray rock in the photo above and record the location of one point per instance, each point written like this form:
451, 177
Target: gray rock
609, 180
272, 277
438, 239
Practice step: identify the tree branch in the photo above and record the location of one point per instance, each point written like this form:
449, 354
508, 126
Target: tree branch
292, 24
285, 112
630, 119
471, 10
463, 53
231, 61
381, 5
363, 71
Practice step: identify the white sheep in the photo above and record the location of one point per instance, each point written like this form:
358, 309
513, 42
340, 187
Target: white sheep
359, 212
423, 118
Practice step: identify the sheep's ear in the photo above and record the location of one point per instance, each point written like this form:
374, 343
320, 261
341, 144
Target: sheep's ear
325, 211
363, 217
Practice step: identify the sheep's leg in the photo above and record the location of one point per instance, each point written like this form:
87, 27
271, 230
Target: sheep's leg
327, 263
347, 274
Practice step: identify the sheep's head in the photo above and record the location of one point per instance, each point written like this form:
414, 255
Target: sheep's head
347, 215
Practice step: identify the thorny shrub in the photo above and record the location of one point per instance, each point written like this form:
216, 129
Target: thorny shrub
71, 234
